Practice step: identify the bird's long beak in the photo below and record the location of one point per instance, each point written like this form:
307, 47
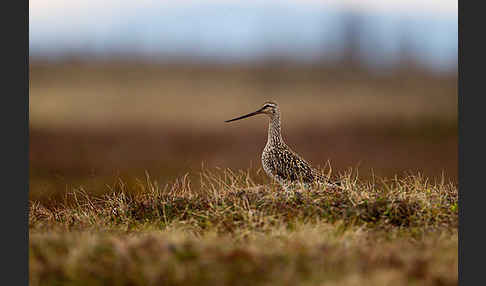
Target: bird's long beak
245, 116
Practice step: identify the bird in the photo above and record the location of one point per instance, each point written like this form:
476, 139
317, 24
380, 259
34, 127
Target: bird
279, 161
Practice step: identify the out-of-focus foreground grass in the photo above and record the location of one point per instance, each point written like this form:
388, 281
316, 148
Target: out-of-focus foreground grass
233, 231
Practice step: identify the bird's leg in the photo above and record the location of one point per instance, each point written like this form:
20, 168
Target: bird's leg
299, 196
287, 191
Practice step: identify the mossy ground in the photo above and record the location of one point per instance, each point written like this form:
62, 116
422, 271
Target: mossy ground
230, 230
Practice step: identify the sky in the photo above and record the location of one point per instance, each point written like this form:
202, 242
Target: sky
245, 30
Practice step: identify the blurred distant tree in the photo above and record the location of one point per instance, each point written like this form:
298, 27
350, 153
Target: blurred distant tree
407, 48
351, 23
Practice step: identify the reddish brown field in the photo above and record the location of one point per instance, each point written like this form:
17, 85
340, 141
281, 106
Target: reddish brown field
90, 122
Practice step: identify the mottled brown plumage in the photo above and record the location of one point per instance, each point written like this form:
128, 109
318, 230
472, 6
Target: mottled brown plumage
279, 161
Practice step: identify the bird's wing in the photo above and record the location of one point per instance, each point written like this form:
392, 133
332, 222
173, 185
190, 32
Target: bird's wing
290, 166
308, 174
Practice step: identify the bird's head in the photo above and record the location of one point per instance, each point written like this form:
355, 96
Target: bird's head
269, 108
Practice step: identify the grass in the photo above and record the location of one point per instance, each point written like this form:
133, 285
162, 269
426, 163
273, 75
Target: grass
96, 219
226, 229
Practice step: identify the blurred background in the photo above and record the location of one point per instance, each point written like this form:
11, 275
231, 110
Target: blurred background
118, 88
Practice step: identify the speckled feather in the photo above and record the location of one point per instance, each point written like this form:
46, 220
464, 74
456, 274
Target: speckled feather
282, 163
286, 167
279, 161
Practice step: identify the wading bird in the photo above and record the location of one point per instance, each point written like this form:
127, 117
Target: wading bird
279, 161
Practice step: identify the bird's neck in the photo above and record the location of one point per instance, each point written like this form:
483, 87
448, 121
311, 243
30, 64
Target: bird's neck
274, 131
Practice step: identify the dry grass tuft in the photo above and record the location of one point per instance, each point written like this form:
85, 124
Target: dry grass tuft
228, 201
233, 231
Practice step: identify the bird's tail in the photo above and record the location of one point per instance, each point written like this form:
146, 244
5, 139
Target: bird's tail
335, 184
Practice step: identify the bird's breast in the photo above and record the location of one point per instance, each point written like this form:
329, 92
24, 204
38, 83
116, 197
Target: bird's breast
268, 162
